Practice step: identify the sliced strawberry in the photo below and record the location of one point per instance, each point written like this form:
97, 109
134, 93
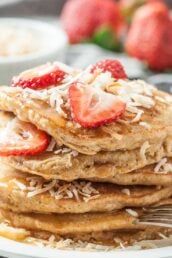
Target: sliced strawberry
92, 107
21, 138
111, 65
39, 77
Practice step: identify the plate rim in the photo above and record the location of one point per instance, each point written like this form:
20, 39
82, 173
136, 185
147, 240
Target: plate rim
28, 250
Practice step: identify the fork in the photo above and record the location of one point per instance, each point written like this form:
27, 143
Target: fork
157, 216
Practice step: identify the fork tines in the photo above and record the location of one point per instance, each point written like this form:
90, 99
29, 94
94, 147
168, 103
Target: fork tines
157, 216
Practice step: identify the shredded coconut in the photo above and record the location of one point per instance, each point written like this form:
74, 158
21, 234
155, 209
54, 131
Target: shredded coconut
132, 212
135, 94
137, 117
64, 150
69, 244
162, 235
163, 167
143, 150
160, 99
122, 246
146, 125
56, 102
19, 234
126, 191
61, 190
19, 185
51, 145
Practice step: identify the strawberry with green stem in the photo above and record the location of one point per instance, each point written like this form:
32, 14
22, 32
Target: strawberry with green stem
95, 21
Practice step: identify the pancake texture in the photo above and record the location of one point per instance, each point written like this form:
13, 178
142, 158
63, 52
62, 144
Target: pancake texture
22, 193
100, 168
65, 164
112, 137
103, 228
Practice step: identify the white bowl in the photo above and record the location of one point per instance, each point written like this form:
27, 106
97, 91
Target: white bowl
53, 47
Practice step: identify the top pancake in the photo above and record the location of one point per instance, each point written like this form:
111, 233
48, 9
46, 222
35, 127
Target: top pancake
154, 125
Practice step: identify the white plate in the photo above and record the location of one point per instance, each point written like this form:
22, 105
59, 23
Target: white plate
12, 249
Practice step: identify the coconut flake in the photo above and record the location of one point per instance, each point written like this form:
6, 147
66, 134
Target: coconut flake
137, 117
160, 99
143, 150
126, 191
65, 150
56, 102
162, 235
160, 164
51, 145
132, 212
61, 190
163, 167
145, 124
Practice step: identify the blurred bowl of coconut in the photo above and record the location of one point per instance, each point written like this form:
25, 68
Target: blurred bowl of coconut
25, 43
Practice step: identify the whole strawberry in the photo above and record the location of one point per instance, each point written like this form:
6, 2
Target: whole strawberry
150, 36
92, 20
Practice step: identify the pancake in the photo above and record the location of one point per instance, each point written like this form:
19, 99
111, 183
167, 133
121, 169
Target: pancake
102, 168
103, 227
31, 106
33, 194
86, 241
66, 164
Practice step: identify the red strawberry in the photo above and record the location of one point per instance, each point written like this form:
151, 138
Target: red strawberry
92, 107
111, 65
39, 77
21, 138
150, 36
82, 19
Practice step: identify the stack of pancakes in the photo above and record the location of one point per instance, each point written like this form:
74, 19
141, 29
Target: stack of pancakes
89, 184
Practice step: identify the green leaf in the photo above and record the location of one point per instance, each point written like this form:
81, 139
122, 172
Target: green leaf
106, 38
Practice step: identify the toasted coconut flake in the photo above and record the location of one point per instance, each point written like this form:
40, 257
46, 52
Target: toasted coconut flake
160, 99
122, 246
62, 190
143, 150
137, 117
126, 191
163, 167
132, 212
51, 145
162, 235
64, 150
68, 244
146, 125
